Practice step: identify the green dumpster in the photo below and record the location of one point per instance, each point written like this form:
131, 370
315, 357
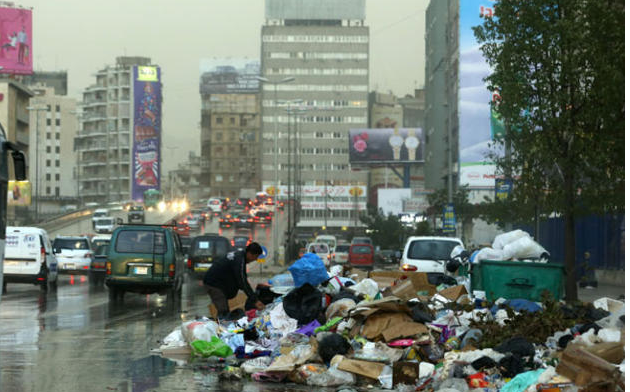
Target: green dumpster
517, 279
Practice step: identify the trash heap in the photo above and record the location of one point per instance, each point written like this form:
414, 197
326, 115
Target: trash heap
396, 330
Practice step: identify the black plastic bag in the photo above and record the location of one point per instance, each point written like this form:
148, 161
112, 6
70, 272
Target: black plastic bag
332, 345
517, 346
421, 314
303, 303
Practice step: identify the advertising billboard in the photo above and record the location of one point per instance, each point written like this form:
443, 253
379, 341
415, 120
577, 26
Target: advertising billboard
476, 175
16, 41
19, 193
477, 122
320, 190
229, 76
382, 145
147, 128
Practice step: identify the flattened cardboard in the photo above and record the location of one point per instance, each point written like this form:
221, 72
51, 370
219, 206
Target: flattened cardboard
454, 292
375, 324
403, 330
387, 304
405, 290
237, 302
383, 282
420, 279
363, 368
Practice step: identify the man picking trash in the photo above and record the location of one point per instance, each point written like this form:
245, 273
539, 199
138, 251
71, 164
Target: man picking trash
226, 276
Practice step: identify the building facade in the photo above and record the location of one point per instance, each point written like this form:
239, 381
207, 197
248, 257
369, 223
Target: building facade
441, 76
54, 128
105, 139
230, 127
322, 49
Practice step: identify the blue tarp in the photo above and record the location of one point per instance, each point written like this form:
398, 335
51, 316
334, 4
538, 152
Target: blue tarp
309, 269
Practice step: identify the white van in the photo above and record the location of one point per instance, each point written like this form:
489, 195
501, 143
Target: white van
321, 249
214, 204
104, 225
29, 257
428, 254
331, 240
99, 213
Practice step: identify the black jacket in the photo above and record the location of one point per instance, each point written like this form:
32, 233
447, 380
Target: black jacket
230, 274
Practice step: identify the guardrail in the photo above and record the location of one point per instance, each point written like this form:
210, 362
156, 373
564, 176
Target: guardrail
62, 221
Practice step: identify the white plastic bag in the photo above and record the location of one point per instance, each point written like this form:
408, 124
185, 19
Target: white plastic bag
336, 270
502, 240
367, 287
386, 377
256, 365
489, 254
339, 308
199, 330
333, 377
523, 248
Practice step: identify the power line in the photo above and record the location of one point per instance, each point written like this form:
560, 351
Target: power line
398, 21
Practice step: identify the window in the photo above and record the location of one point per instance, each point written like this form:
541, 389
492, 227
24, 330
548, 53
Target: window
56, 191
319, 135
57, 149
243, 122
48, 149
232, 121
57, 163
48, 107
48, 135
57, 136
141, 241
47, 162
47, 176
48, 190
218, 136
57, 121
48, 122
219, 120
218, 178
57, 177
57, 108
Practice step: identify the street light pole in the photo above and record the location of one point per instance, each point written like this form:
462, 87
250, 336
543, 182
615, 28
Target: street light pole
37, 109
275, 157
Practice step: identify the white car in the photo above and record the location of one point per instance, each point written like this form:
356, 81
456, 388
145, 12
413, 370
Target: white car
340, 254
29, 257
99, 213
428, 254
104, 225
214, 203
320, 249
74, 254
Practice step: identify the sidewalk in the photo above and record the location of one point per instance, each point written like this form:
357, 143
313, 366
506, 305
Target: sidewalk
610, 291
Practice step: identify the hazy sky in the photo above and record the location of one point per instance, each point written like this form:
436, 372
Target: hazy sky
81, 36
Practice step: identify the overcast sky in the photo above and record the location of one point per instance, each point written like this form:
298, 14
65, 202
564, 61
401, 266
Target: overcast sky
81, 36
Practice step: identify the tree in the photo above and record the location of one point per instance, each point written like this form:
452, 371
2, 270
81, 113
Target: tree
558, 66
385, 231
465, 211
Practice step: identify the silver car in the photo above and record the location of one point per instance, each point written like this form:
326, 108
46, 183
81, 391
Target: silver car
74, 254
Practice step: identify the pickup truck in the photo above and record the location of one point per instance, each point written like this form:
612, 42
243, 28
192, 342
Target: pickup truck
135, 214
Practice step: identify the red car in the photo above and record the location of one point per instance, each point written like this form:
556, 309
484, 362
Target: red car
182, 228
361, 255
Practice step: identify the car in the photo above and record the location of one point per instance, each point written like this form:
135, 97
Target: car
428, 254
99, 213
340, 254
225, 203
244, 202
240, 242
74, 254
331, 240
321, 249
145, 259
214, 204
28, 258
361, 255
280, 204
244, 221
361, 240
98, 240
99, 263
263, 218
135, 214
199, 213
204, 250
182, 228
104, 225
195, 222
386, 256
186, 241
226, 220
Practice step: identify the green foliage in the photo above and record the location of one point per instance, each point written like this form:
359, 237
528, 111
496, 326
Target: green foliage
464, 210
385, 231
559, 69
424, 229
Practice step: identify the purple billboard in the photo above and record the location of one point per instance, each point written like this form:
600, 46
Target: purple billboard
147, 126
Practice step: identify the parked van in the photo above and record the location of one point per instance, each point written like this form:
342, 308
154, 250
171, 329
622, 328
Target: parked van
361, 255
144, 259
29, 257
331, 240
428, 254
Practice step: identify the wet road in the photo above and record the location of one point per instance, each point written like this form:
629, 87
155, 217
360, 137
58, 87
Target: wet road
73, 339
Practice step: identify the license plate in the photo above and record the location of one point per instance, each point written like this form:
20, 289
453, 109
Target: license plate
203, 265
68, 266
141, 270
244, 220
12, 263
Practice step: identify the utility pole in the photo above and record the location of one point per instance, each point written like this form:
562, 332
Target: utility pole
38, 193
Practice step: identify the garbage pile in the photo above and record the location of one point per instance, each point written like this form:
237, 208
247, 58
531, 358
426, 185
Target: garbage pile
396, 330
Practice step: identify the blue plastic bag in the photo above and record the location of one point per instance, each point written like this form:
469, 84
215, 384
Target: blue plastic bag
282, 280
309, 269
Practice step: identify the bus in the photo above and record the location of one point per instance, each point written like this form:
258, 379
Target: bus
19, 166
151, 198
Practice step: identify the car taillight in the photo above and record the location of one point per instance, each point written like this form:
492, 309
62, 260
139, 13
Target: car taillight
189, 262
232, 242
86, 267
109, 268
250, 220
408, 267
221, 220
43, 253
171, 270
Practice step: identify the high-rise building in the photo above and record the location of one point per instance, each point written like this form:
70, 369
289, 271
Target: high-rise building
324, 46
441, 76
54, 127
58, 80
105, 139
230, 126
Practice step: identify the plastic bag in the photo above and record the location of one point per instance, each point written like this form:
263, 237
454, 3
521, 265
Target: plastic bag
336, 270
174, 339
215, 347
488, 254
523, 248
339, 308
332, 377
199, 330
282, 280
303, 303
281, 322
502, 240
309, 269
386, 378
367, 287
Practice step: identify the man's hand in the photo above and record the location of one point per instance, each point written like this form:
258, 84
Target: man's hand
260, 305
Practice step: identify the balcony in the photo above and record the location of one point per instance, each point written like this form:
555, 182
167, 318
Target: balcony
96, 88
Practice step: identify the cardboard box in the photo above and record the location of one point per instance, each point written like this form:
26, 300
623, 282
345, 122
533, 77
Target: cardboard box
454, 292
363, 368
420, 280
582, 367
390, 326
237, 302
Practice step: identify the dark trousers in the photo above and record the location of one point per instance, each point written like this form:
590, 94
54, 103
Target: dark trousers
218, 300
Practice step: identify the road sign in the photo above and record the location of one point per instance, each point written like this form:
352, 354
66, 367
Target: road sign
261, 257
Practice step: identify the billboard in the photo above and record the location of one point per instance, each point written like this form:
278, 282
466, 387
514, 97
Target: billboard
147, 128
477, 175
477, 120
19, 193
229, 76
380, 145
16, 41
320, 190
